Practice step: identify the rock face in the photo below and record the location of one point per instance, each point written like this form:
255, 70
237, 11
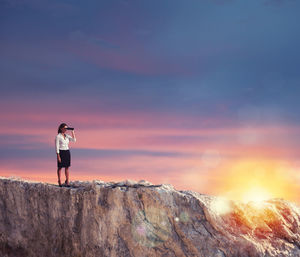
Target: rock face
139, 219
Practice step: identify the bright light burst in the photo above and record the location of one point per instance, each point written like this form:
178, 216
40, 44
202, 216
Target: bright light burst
256, 194
221, 206
257, 181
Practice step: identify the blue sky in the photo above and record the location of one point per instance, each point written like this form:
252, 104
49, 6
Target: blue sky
154, 54
176, 67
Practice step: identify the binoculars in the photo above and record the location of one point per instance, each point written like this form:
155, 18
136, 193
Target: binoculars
70, 128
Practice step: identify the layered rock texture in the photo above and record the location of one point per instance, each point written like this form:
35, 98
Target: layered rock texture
139, 219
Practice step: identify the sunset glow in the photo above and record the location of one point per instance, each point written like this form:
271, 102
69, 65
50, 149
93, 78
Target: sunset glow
258, 180
189, 93
256, 194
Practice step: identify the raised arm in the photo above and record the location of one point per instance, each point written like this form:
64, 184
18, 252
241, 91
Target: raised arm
73, 138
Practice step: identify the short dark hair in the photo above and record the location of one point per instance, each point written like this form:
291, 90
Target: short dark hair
62, 125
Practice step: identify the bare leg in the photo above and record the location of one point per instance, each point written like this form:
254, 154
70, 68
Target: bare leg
67, 175
58, 175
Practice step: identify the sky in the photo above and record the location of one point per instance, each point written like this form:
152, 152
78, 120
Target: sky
200, 94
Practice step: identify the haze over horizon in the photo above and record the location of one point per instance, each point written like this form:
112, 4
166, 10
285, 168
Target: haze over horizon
203, 95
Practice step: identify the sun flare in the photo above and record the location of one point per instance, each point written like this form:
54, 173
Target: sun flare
255, 194
257, 181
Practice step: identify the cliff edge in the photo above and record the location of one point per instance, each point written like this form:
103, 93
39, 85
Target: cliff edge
139, 219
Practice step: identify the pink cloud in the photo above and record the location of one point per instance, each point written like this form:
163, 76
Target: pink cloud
141, 131
145, 131
136, 60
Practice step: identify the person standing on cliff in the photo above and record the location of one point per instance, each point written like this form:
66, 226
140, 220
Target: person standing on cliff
63, 152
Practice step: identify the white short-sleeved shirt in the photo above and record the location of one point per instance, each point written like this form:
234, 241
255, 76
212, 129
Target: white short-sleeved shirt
62, 143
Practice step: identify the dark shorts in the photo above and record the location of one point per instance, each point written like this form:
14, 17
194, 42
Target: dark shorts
65, 157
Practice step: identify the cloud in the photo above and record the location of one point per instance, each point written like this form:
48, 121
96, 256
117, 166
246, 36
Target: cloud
123, 153
126, 61
81, 37
12, 152
129, 56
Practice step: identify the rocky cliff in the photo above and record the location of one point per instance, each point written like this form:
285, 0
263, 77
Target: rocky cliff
139, 219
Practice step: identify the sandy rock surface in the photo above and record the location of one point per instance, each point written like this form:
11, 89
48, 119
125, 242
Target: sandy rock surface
139, 219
